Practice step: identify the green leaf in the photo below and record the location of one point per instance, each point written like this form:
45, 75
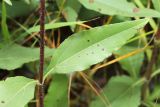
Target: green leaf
21, 8
131, 64
58, 92
53, 26
70, 10
89, 47
156, 4
121, 91
14, 56
16, 91
8, 2
4, 26
118, 7
155, 94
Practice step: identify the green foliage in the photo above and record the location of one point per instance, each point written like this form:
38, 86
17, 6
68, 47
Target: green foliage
132, 64
20, 7
99, 33
5, 32
52, 26
14, 56
86, 48
156, 4
59, 89
121, 91
118, 7
16, 91
69, 9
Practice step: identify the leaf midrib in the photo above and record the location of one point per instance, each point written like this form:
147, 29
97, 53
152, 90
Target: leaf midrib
19, 91
87, 48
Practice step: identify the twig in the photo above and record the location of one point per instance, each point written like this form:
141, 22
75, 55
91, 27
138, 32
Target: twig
42, 33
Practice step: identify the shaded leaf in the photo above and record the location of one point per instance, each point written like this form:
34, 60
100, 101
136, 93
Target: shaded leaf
5, 31
118, 7
120, 92
131, 64
89, 47
14, 56
58, 92
21, 7
16, 91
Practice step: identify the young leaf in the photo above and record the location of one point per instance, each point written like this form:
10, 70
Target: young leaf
120, 92
118, 7
14, 56
8, 2
58, 92
131, 64
16, 91
89, 47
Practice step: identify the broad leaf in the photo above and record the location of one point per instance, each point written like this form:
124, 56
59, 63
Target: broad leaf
14, 56
57, 95
156, 4
118, 7
120, 92
131, 64
89, 47
16, 91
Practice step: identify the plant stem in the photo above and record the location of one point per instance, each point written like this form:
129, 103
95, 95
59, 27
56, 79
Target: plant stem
148, 72
42, 33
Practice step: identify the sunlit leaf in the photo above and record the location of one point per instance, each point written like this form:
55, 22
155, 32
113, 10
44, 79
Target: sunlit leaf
118, 7
89, 47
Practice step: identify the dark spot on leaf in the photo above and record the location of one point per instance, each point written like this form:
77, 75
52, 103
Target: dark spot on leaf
135, 10
102, 49
88, 40
97, 45
91, 1
2, 101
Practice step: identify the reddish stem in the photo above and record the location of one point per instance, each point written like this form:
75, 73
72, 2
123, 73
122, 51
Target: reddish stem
41, 67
